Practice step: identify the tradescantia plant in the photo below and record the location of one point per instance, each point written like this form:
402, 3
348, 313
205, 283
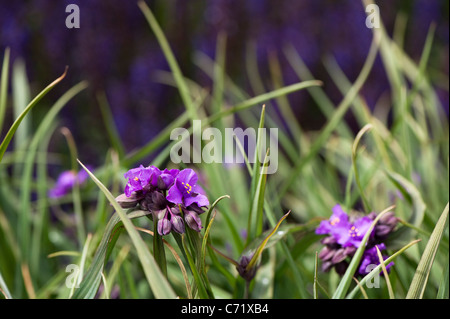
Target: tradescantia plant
173, 197
344, 237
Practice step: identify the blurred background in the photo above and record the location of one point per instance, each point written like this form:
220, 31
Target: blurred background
117, 53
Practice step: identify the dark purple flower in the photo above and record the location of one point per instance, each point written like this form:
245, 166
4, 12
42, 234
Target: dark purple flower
66, 181
386, 225
356, 232
247, 274
344, 232
164, 226
186, 191
138, 179
172, 196
163, 179
193, 220
370, 258
170, 219
345, 236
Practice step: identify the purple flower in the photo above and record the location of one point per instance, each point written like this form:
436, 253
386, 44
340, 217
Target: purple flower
172, 196
356, 232
370, 257
138, 179
163, 179
66, 181
186, 191
345, 236
345, 233
337, 223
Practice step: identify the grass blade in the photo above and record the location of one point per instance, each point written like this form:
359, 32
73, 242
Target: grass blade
30, 106
360, 134
158, 283
4, 289
4, 87
178, 76
335, 119
386, 275
377, 269
420, 279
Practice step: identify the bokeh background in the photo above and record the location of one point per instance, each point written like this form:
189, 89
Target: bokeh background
116, 52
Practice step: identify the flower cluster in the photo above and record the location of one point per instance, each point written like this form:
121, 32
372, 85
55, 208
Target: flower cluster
173, 196
345, 236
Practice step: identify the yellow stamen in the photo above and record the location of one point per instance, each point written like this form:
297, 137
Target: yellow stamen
188, 187
335, 221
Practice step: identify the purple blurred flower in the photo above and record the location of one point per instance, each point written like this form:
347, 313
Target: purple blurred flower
345, 236
370, 257
346, 233
337, 223
186, 191
66, 181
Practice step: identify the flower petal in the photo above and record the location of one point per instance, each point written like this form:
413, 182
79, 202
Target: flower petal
174, 195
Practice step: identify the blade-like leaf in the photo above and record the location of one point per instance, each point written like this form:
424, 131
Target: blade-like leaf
30, 106
420, 279
263, 244
4, 87
170, 57
377, 269
158, 283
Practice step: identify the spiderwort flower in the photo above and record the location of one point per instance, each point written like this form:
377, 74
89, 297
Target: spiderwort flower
66, 181
370, 257
186, 191
172, 196
345, 236
346, 233
138, 179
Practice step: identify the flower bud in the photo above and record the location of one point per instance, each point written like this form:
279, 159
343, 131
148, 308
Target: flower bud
193, 220
177, 223
164, 226
128, 202
249, 274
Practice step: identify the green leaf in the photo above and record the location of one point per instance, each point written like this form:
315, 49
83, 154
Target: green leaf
263, 244
420, 279
4, 288
412, 194
360, 134
258, 186
27, 174
30, 106
178, 76
89, 285
158, 283
334, 120
377, 269
444, 285
4, 87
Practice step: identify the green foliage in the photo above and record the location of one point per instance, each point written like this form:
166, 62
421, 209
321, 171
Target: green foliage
40, 236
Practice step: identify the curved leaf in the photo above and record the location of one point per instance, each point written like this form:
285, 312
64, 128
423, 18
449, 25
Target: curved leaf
17, 122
